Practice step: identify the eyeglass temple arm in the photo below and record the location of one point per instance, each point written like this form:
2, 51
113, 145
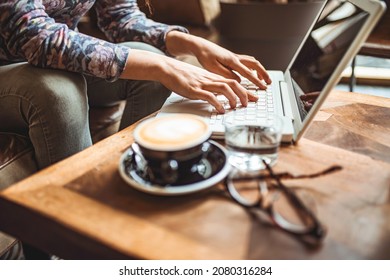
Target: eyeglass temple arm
287, 175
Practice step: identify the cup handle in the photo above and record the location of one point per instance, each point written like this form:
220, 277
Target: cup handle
206, 148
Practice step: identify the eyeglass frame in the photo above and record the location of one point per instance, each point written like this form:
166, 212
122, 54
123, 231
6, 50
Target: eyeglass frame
317, 231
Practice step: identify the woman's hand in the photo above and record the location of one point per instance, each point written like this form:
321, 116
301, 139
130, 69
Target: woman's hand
219, 75
217, 59
185, 79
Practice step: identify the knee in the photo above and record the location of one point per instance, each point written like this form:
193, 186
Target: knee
58, 93
64, 89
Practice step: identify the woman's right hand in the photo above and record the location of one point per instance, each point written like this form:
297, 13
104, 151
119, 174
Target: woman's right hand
185, 79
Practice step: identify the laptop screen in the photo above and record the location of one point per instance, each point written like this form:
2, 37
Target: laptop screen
330, 38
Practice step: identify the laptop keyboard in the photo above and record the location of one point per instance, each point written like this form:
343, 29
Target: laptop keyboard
261, 110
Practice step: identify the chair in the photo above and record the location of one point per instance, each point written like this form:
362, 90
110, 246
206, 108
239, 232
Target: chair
376, 45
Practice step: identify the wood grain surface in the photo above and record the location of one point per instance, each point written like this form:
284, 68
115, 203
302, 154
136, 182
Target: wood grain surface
354, 122
80, 208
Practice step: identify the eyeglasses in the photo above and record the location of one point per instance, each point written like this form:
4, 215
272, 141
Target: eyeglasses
266, 191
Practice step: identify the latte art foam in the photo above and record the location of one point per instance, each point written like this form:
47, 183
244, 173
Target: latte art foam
172, 132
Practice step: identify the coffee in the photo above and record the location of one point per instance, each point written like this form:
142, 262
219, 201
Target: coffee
172, 132
169, 147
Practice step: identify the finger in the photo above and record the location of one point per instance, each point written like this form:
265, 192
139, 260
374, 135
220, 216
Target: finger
226, 72
247, 94
313, 94
210, 98
252, 97
240, 91
254, 64
309, 96
243, 70
224, 89
305, 97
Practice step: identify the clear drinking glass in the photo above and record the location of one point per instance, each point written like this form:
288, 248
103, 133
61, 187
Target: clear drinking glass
250, 141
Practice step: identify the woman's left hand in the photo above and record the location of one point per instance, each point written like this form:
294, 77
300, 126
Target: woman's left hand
221, 61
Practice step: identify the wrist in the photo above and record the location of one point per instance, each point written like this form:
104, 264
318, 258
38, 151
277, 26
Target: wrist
143, 65
180, 43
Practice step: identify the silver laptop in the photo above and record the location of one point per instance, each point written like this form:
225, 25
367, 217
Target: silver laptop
333, 40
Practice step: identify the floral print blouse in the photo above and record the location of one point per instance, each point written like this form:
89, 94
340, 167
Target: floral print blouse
44, 33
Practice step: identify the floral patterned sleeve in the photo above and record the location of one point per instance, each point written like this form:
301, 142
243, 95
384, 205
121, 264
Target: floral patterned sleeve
27, 32
121, 20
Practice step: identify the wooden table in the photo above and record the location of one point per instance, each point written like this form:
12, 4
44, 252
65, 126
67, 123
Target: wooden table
81, 208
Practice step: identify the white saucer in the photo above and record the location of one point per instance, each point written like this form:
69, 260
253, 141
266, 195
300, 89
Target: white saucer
214, 168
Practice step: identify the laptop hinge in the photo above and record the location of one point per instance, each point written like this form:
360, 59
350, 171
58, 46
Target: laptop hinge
286, 104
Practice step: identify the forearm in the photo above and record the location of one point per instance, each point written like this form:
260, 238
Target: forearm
183, 78
144, 65
28, 33
122, 21
217, 59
